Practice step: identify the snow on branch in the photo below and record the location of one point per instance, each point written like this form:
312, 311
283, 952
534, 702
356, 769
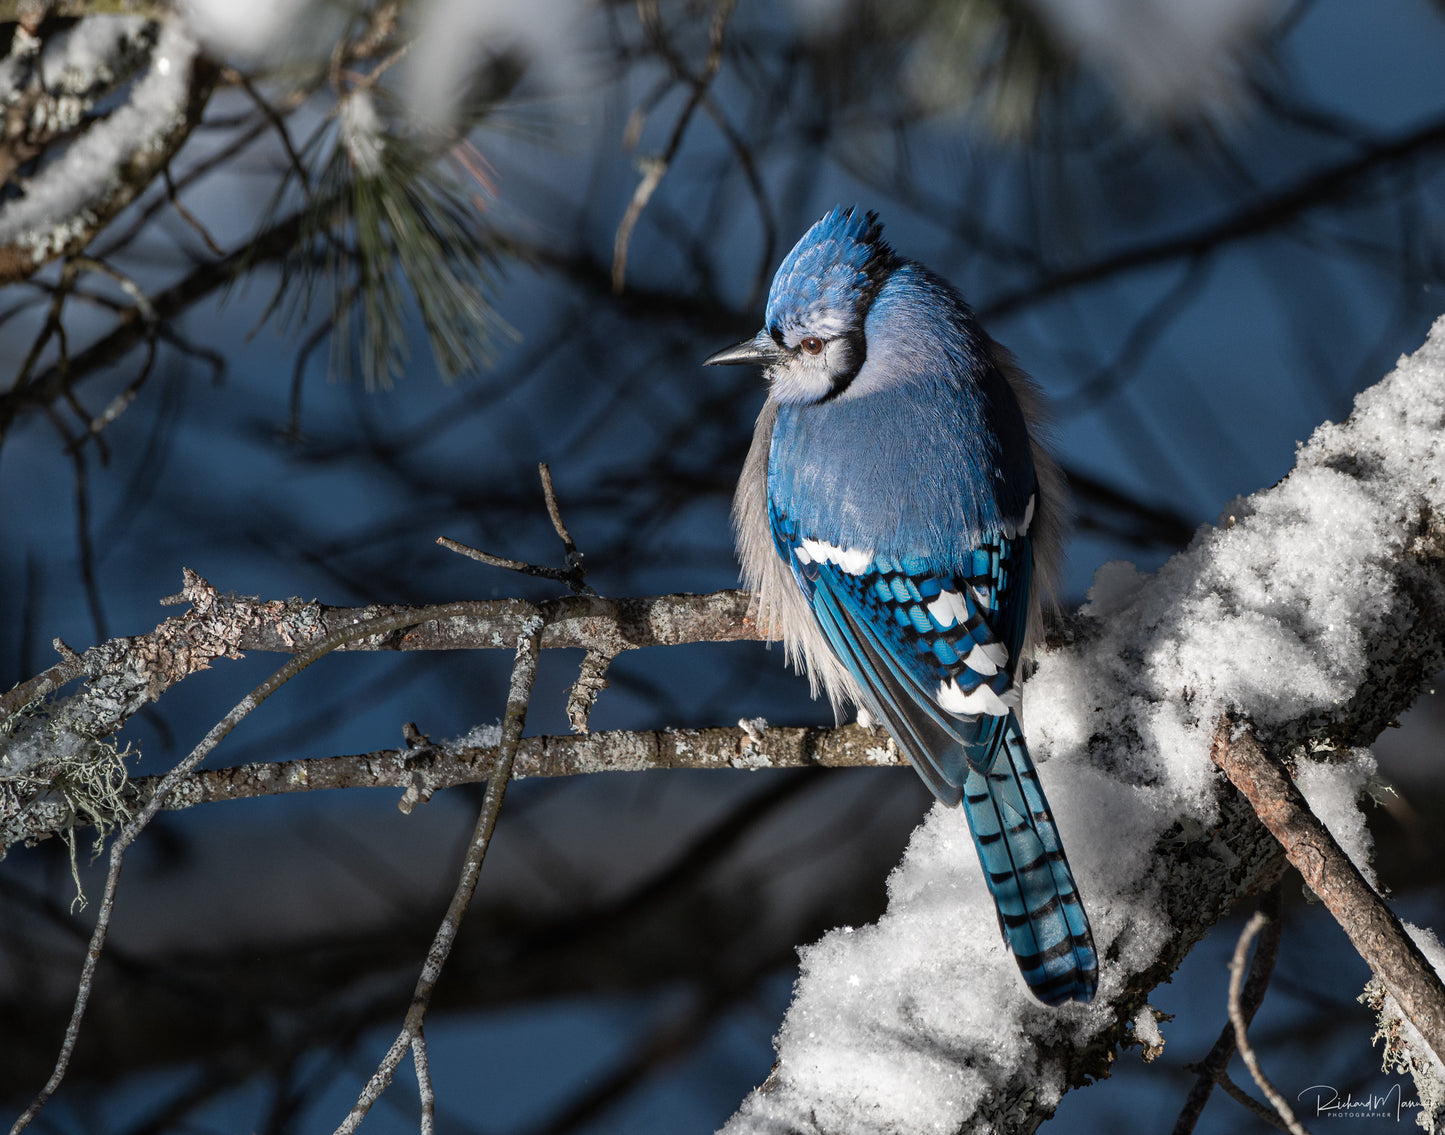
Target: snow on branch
112, 157
1314, 612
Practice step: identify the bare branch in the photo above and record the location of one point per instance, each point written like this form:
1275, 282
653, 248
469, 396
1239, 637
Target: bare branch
654, 168
1241, 1026
1372, 927
1212, 1068
144, 816
524, 673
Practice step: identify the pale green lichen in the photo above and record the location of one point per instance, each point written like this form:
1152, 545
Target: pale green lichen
1405, 1051
44, 752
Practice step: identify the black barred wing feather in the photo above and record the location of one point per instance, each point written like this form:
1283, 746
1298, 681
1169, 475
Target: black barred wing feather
934, 654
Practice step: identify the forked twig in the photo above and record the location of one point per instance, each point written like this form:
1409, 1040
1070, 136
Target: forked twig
1212, 1068
574, 575
1241, 1026
654, 168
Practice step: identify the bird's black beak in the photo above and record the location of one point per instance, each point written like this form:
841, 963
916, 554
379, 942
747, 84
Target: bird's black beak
759, 350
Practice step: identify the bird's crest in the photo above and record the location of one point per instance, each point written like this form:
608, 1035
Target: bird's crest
837, 268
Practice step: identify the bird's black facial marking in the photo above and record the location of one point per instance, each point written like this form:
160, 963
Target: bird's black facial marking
857, 345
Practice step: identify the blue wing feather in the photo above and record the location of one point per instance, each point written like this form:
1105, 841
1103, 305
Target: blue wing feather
904, 641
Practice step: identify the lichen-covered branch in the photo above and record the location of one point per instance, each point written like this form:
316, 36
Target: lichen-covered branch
423, 769
226, 625
62, 743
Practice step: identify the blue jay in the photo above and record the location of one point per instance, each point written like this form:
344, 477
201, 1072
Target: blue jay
897, 520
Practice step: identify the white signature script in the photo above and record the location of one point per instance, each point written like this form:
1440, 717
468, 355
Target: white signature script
1328, 1101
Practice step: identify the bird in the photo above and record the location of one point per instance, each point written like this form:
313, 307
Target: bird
899, 521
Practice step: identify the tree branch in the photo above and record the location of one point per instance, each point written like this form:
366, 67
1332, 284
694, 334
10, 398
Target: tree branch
424, 770
1372, 927
31, 244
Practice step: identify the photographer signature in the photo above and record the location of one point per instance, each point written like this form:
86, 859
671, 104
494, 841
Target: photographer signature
1328, 1101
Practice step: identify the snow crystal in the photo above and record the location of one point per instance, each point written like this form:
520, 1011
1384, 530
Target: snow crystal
1332, 789
917, 1024
478, 737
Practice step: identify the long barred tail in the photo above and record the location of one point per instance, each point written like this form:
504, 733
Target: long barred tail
1023, 861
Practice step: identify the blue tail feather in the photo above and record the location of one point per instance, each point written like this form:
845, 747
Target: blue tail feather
1039, 910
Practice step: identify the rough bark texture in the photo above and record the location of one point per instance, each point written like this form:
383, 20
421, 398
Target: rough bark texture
1372, 927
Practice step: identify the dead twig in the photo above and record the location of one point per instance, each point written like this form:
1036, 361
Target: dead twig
524, 673
574, 575
1241, 1026
1212, 1068
1372, 927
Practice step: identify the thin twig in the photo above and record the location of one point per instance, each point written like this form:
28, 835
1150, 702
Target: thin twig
654, 168
524, 673
144, 816
574, 575
552, 510
424, 1086
1241, 1026
1212, 1068
278, 124
537, 570
186, 215
292, 432
1247, 1101
118, 405
85, 549
68, 273
577, 573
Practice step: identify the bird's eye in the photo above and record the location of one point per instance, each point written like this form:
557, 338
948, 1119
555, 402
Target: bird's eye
812, 345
